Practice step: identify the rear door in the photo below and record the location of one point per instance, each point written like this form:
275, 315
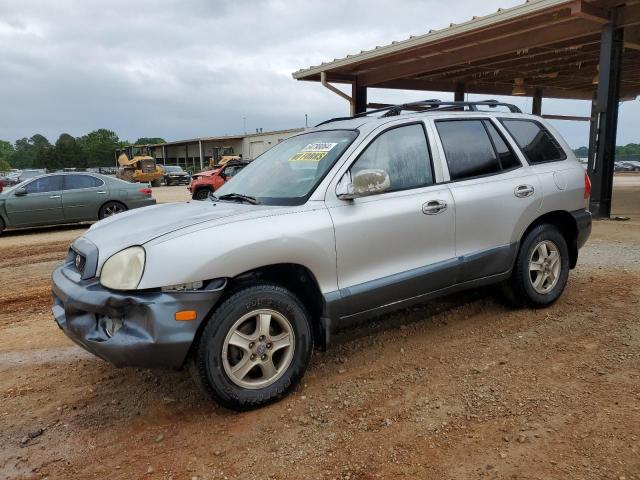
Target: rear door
397, 244
495, 194
82, 197
41, 205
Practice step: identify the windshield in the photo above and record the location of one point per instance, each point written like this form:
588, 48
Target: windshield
172, 169
288, 173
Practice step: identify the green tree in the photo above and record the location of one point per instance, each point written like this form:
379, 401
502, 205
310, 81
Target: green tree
99, 147
31, 152
6, 150
149, 141
4, 165
68, 153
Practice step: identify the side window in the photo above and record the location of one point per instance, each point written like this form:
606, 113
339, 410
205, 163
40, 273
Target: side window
537, 144
508, 159
45, 184
467, 148
74, 182
403, 153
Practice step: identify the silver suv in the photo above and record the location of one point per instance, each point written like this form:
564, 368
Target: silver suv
344, 222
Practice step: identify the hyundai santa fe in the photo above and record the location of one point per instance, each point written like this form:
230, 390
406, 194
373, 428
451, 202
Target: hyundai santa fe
343, 222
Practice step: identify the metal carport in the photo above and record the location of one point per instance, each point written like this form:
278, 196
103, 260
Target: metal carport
572, 49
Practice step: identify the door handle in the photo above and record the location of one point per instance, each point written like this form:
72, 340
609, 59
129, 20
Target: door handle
522, 191
54, 196
434, 207
101, 192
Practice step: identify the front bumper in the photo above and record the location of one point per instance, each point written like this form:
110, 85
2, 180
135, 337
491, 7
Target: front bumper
149, 337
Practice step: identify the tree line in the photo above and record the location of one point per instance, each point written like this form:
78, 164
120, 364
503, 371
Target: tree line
95, 149
621, 150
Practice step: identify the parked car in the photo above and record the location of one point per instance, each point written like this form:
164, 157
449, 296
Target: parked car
341, 223
205, 183
30, 173
68, 198
622, 167
175, 175
631, 165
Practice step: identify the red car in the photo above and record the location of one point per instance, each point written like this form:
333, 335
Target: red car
204, 183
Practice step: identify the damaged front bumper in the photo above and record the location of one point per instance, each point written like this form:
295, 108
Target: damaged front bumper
148, 334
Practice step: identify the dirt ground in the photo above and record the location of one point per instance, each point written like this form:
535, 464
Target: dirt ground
464, 387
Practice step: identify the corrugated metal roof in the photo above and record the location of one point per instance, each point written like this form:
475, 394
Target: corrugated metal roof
529, 7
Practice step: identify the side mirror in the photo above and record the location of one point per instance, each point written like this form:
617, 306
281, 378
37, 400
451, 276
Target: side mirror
21, 192
364, 183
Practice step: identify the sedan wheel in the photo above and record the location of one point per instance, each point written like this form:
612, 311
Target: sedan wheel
110, 209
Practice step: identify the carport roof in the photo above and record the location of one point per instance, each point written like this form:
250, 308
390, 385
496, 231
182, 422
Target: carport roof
553, 45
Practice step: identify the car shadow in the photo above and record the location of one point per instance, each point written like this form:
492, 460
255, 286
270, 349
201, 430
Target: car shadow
45, 229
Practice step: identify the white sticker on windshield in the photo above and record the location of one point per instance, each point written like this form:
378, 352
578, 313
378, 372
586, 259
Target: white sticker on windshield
314, 152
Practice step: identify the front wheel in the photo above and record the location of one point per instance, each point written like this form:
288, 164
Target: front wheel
542, 268
202, 194
255, 348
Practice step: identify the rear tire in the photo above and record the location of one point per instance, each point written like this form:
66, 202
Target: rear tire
156, 183
255, 348
110, 209
2, 226
542, 268
202, 194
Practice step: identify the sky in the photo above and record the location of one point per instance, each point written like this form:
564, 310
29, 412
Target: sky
181, 69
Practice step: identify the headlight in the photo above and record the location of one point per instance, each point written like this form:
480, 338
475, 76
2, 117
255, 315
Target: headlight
123, 271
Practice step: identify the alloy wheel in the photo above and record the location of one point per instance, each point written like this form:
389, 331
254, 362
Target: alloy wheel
258, 349
544, 266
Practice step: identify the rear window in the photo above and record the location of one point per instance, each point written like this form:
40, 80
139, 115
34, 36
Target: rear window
535, 141
467, 148
76, 182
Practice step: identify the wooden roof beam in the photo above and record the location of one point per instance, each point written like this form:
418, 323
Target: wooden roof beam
584, 10
568, 31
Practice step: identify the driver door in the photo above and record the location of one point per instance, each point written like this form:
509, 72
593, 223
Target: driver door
394, 245
41, 203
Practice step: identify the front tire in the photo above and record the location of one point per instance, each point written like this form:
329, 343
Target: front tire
255, 348
202, 194
542, 268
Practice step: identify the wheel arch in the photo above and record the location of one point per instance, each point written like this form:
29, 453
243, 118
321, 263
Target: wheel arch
110, 201
566, 224
296, 278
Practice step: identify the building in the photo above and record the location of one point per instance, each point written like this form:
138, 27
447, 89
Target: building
574, 49
196, 153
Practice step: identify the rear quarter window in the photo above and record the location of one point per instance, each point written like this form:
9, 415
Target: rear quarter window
537, 144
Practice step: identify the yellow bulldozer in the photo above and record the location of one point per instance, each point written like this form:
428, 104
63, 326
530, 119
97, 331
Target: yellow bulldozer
222, 155
136, 165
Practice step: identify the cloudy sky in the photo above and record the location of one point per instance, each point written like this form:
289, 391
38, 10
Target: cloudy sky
188, 68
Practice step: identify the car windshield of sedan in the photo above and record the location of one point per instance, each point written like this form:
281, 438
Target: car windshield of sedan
173, 169
288, 173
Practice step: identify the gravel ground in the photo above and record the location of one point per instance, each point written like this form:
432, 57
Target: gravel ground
464, 387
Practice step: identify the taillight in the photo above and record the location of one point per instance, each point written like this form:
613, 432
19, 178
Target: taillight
145, 191
587, 186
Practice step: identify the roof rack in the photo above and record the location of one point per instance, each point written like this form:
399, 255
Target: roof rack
429, 106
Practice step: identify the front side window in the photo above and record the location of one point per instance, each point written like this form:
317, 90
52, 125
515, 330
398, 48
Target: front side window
403, 153
288, 173
535, 141
467, 148
76, 182
52, 183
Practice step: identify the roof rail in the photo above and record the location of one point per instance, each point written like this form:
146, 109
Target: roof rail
429, 106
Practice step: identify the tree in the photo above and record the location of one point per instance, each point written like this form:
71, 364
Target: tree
6, 150
149, 141
68, 153
99, 147
4, 165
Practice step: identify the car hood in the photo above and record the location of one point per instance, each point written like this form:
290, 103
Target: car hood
139, 226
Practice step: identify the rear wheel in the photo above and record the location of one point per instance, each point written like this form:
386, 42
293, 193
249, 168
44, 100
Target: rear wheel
542, 268
255, 348
110, 209
202, 194
2, 226
156, 183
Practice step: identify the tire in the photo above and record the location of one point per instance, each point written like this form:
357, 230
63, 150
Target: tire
528, 285
167, 183
156, 183
2, 226
267, 373
202, 194
111, 208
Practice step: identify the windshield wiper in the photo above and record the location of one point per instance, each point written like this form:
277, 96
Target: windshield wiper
239, 196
